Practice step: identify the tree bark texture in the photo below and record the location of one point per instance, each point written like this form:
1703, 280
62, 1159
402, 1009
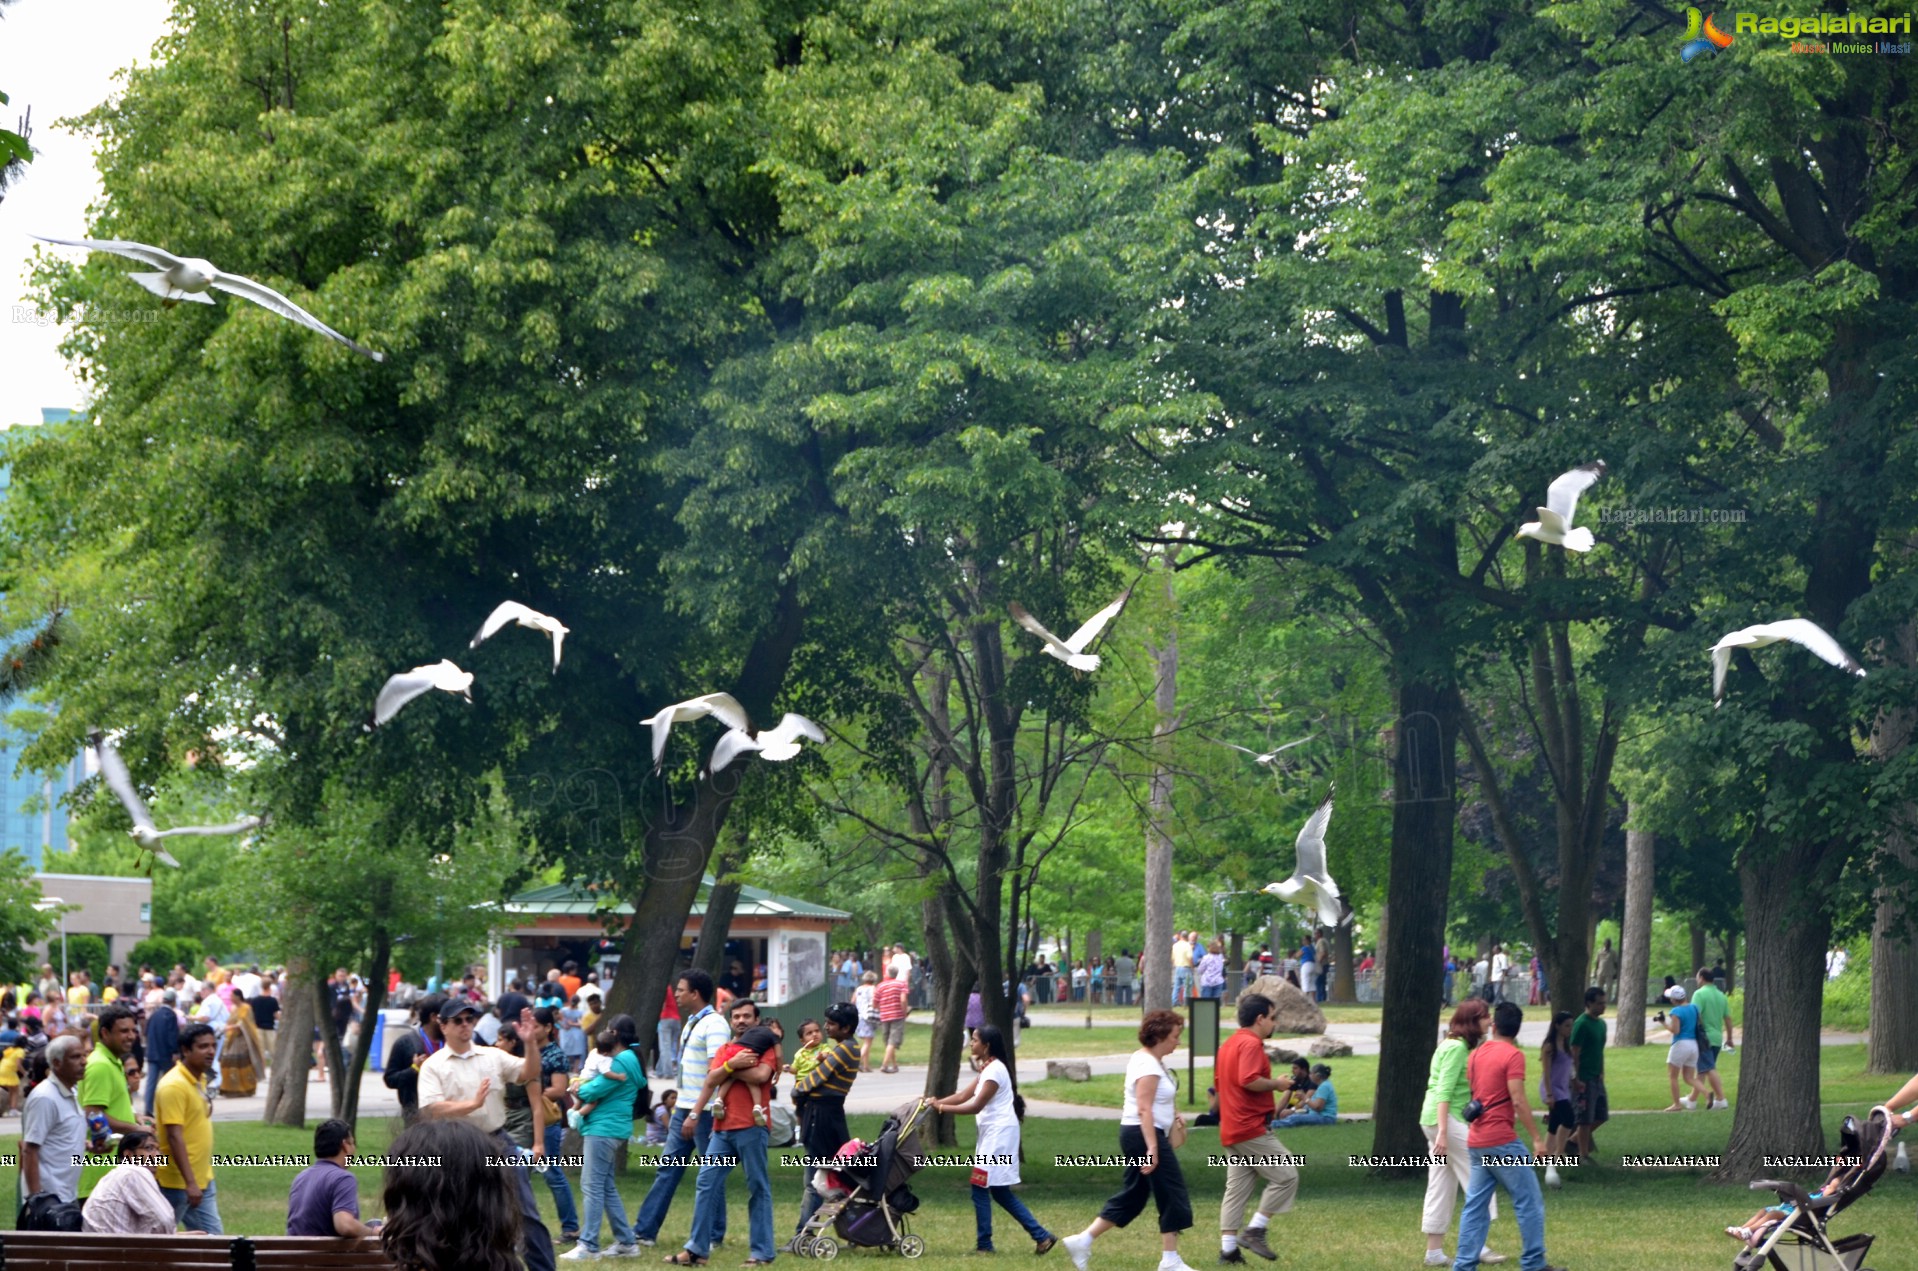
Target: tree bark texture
346, 1085
1635, 939
1893, 1044
722, 900
293, 1051
1158, 838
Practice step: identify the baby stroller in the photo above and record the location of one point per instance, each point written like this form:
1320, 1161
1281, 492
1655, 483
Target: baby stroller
1799, 1241
867, 1199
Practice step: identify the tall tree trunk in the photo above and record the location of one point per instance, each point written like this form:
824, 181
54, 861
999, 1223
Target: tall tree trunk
1784, 975
346, 1086
1893, 1044
722, 900
293, 1049
1635, 939
1158, 838
1728, 946
1345, 986
330, 1043
1424, 769
1697, 933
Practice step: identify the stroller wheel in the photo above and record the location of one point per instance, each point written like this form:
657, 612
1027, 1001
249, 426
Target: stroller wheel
825, 1248
912, 1246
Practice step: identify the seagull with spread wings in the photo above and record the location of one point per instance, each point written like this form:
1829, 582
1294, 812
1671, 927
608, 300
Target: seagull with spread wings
1311, 885
513, 611
407, 685
778, 743
189, 278
113, 771
1071, 651
1799, 631
1265, 757
1554, 523
720, 705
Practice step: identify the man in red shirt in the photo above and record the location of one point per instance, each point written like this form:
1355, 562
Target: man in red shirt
1496, 1072
1245, 1084
890, 1000
739, 1137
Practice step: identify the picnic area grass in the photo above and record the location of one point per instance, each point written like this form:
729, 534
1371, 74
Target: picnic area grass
1606, 1218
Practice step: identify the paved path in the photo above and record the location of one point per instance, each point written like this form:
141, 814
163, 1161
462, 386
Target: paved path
879, 1093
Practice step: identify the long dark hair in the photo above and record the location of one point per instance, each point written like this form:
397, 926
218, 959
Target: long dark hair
547, 1017
628, 1029
1549, 1050
457, 1214
995, 1041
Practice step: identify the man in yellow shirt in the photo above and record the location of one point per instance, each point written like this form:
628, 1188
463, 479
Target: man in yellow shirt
183, 1114
1181, 968
77, 992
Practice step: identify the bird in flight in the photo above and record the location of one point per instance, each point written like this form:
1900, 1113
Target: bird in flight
720, 705
1554, 523
778, 743
1311, 885
407, 685
1265, 756
513, 611
189, 278
1071, 651
113, 770
1799, 631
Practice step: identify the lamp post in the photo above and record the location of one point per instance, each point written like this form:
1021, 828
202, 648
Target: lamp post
54, 902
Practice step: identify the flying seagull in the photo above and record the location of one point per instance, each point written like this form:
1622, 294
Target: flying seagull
778, 743
1310, 885
721, 705
407, 685
1799, 631
1071, 652
514, 611
1554, 523
1267, 756
189, 277
113, 771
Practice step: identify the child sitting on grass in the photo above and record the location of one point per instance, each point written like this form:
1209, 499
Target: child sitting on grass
1755, 1228
606, 1047
662, 1117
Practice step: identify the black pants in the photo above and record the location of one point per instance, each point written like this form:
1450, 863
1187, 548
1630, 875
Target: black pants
1164, 1186
536, 1241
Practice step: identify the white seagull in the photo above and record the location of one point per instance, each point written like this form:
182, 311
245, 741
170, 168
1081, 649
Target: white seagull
1310, 885
721, 705
778, 743
189, 277
1799, 631
407, 685
1267, 756
514, 611
1554, 523
1071, 651
113, 771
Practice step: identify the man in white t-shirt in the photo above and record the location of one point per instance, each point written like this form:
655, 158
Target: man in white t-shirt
1501, 967
901, 964
462, 1079
247, 983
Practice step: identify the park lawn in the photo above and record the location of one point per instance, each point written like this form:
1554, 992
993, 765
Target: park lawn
1034, 1043
1635, 1081
1606, 1218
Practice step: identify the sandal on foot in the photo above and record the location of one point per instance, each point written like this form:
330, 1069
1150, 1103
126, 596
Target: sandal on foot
1045, 1246
683, 1259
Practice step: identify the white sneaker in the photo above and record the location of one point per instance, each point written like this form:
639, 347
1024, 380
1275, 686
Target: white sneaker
1688, 1103
1079, 1249
1437, 1258
1488, 1257
1551, 1177
1720, 1104
580, 1253
622, 1251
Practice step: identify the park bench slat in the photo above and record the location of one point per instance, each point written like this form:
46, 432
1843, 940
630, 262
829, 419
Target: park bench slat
61, 1251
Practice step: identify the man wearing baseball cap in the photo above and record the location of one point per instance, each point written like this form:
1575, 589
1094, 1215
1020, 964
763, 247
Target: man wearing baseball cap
461, 1079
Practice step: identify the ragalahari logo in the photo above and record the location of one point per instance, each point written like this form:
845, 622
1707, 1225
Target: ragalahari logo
1701, 36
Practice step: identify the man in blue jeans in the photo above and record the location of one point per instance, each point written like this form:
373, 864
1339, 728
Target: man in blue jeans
739, 1137
1496, 1072
704, 1032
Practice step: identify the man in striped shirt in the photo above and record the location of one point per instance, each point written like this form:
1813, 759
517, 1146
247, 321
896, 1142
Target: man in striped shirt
821, 1098
703, 1033
890, 1000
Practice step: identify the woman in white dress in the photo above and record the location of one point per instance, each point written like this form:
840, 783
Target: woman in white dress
1152, 1167
995, 1166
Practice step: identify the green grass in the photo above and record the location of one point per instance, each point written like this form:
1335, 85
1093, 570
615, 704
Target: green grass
1605, 1219
1635, 1079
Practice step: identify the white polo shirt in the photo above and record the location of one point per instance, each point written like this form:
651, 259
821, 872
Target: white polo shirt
446, 1077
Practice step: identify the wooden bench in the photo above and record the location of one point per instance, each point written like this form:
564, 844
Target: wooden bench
61, 1251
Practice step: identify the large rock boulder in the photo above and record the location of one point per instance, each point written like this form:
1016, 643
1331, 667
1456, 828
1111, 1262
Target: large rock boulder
1329, 1047
1068, 1070
1298, 1014
1281, 1056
